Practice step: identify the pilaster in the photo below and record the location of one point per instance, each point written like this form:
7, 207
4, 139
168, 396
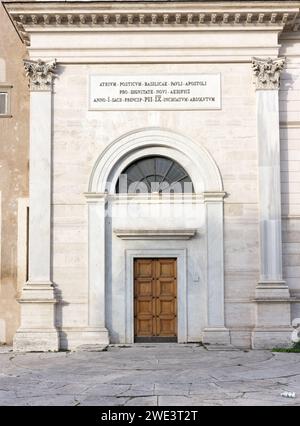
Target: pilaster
215, 334
272, 294
95, 334
37, 331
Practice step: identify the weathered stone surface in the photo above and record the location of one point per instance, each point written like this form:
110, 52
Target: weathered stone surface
149, 375
14, 155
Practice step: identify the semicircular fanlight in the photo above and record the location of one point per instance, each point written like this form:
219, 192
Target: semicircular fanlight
154, 174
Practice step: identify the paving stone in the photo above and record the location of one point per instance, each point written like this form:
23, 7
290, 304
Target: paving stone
108, 390
172, 388
149, 375
4, 349
62, 400
142, 401
184, 400
102, 401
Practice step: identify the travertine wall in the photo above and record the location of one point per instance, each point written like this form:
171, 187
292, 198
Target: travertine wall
80, 136
229, 135
290, 165
13, 170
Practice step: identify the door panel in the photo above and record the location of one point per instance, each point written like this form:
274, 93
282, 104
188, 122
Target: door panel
143, 268
144, 306
155, 299
166, 267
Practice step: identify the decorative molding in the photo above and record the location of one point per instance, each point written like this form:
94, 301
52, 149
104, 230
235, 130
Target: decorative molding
151, 141
295, 25
155, 234
214, 196
160, 18
94, 197
136, 16
6, 86
289, 124
267, 72
140, 198
291, 217
40, 73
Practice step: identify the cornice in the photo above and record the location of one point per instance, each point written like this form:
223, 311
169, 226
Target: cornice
136, 16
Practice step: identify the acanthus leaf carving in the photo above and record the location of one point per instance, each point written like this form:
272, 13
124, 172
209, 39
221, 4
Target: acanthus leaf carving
40, 73
267, 72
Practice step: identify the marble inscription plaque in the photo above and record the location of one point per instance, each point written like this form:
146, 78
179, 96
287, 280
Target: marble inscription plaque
155, 92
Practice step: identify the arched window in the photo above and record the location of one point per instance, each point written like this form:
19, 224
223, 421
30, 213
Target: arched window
154, 174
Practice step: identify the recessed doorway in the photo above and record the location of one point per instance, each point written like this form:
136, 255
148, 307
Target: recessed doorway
155, 300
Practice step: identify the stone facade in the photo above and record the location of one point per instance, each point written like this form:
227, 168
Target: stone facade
289, 162
14, 136
239, 282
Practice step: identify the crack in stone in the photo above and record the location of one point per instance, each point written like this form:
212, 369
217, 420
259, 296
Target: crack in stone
75, 380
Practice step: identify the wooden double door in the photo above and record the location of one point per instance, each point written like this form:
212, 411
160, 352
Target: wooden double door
155, 300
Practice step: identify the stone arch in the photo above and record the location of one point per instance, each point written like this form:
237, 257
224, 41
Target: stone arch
206, 179
193, 157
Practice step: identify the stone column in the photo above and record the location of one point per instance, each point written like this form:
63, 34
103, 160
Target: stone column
37, 331
272, 294
215, 334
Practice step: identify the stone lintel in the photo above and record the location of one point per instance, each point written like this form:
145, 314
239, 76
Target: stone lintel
155, 234
95, 197
216, 196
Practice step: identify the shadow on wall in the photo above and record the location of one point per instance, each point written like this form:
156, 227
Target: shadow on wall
114, 337
58, 318
2, 332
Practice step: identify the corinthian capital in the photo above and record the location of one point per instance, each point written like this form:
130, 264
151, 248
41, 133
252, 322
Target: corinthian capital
267, 72
40, 74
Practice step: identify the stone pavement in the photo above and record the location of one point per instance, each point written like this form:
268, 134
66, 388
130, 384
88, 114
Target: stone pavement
162, 374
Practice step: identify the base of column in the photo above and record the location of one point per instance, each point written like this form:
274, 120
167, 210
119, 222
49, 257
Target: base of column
216, 338
272, 290
271, 337
37, 332
35, 340
83, 338
273, 316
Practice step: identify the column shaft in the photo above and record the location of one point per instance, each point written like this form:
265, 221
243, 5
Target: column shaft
40, 187
269, 185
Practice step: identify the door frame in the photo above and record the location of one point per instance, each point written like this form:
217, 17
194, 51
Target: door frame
181, 258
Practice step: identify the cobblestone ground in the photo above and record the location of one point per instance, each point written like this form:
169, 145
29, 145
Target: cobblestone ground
163, 374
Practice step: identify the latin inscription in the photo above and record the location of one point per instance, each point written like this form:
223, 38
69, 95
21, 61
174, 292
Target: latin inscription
156, 92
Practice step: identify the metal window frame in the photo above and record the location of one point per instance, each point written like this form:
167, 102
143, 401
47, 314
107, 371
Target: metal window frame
137, 164
6, 88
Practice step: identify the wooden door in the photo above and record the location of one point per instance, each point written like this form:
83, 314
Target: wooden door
155, 300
